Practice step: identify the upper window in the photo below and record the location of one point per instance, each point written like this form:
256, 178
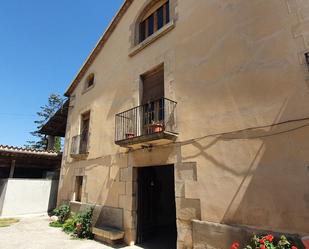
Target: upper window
154, 20
89, 81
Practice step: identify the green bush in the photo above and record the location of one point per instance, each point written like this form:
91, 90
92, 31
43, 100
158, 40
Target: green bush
63, 213
79, 225
55, 224
83, 225
69, 225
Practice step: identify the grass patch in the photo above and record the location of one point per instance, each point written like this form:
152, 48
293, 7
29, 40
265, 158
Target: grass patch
55, 224
7, 222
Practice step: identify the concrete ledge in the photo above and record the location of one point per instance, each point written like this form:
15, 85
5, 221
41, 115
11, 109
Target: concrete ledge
208, 235
79, 206
154, 138
108, 234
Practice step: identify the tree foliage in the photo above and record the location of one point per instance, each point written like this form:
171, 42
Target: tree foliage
39, 141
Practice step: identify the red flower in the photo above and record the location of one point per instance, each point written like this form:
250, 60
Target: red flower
294, 247
262, 247
261, 241
269, 237
235, 245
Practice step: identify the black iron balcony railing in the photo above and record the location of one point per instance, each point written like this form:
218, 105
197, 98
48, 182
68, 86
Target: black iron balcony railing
80, 144
155, 117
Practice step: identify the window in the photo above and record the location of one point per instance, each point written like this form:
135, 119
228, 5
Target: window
78, 188
154, 21
89, 81
84, 134
307, 59
80, 143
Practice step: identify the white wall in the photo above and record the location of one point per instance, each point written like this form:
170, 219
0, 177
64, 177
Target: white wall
28, 196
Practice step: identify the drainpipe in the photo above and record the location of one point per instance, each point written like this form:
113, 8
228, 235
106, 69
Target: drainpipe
12, 169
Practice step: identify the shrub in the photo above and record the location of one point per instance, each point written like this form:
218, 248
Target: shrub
55, 224
83, 224
79, 225
63, 213
267, 242
70, 224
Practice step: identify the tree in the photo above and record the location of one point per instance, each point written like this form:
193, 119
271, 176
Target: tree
55, 102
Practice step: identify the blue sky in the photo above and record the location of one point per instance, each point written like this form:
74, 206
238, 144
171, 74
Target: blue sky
42, 46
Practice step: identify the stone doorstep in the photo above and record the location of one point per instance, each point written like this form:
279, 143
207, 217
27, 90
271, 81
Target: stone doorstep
108, 234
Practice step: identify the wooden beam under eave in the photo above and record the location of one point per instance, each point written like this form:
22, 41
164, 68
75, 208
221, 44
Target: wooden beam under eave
13, 164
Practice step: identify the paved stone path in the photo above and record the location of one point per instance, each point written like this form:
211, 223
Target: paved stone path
34, 233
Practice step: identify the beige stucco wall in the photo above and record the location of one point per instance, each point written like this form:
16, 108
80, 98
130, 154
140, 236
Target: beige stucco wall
230, 65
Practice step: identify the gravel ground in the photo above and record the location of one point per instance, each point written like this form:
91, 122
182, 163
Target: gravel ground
34, 233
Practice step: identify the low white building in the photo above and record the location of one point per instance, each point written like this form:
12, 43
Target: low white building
28, 181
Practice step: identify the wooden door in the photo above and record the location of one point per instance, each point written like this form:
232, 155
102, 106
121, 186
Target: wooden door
152, 99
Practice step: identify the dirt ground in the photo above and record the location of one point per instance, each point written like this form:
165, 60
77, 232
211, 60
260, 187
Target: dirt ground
34, 233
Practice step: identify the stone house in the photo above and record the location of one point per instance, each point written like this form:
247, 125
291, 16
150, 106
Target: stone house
191, 117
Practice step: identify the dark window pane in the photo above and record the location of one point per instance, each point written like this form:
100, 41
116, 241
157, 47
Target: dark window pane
150, 25
142, 31
160, 17
90, 81
167, 6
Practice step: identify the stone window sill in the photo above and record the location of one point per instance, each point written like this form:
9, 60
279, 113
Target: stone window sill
168, 27
79, 156
76, 202
87, 89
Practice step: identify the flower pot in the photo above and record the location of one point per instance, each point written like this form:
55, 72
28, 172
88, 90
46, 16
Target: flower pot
305, 241
129, 135
157, 128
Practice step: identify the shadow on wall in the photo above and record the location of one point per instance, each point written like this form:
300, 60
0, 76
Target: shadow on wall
102, 185
273, 188
3, 185
52, 202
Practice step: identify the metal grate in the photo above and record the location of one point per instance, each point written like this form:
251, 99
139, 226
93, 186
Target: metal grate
153, 117
80, 144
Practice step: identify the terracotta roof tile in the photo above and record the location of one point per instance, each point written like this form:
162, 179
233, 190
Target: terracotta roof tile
15, 149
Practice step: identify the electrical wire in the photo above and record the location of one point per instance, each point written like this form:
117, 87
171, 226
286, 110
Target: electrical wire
221, 135
190, 141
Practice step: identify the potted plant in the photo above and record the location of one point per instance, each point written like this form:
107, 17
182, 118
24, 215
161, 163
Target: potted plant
156, 127
266, 242
129, 135
129, 129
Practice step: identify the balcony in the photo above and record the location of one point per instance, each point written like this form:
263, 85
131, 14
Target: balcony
150, 124
80, 146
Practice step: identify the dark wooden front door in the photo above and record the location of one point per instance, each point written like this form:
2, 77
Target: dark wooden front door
156, 207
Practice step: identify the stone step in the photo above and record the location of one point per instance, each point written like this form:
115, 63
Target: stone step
108, 234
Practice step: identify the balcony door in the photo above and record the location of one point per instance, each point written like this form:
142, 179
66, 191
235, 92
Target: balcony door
152, 101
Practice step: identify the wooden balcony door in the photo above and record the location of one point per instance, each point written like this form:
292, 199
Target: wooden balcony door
152, 100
